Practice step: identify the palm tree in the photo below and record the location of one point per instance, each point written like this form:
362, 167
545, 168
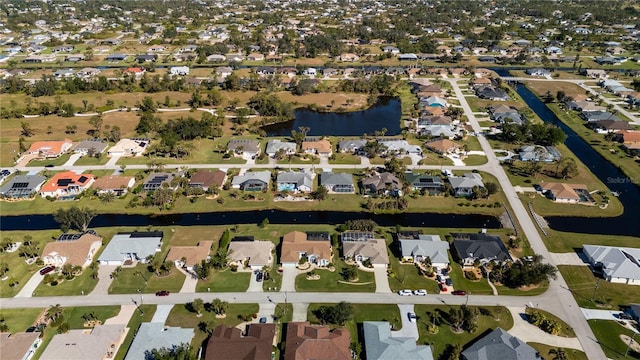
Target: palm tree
54, 312
558, 354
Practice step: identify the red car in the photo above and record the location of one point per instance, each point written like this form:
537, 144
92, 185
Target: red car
46, 270
459, 292
162, 293
443, 287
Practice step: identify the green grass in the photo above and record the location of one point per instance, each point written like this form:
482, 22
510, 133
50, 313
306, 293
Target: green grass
18, 271
73, 315
431, 158
582, 283
345, 159
406, 276
299, 159
134, 323
474, 160
59, 161
608, 334
480, 287
499, 317
80, 285
19, 320
473, 144
557, 241
565, 329
536, 290
572, 354
88, 160
129, 283
333, 282
225, 281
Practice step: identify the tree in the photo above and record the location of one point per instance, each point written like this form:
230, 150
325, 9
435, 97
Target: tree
54, 312
180, 352
570, 169
26, 129
349, 273
456, 318
558, 354
198, 306
96, 122
337, 314
320, 193
560, 96
528, 273
74, 218
492, 188
4, 327
219, 307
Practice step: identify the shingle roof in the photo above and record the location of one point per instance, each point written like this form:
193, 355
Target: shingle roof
380, 345
15, 346
142, 243
330, 179
430, 246
112, 182
480, 246
258, 252
22, 185
227, 343
373, 249
264, 176
617, 262
193, 254
76, 251
296, 242
82, 344
499, 344
306, 342
154, 336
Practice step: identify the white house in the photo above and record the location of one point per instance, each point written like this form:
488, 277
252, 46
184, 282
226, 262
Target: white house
617, 264
179, 70
126, 248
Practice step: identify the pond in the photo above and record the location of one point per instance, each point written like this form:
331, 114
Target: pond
386, 113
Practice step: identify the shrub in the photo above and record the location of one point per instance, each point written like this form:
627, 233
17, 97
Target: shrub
471, 275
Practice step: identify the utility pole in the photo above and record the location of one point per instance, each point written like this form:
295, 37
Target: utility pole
630, 343
595, 290
138, 305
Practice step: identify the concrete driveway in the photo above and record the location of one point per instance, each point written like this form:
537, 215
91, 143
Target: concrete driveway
72, 159
382, 281
254, 285
266, 310
289, 273
31, 285
409, 329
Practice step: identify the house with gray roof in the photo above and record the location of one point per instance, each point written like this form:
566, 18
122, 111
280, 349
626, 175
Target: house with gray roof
90, 146
353, 146
499, 344
539, 153
419, 247
442, 131
337, 183
433, 185
295, 181
252, 181
380, 344
514, 117
463, 185
155, 335
492, 93
591, 116
402, 147
244, 147
22, 186
479, 247
63, 73
101, 342
275, 145
156, 180
126, 248
615, 264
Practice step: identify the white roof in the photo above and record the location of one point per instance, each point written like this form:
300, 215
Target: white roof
617, 262
430, 246
83, 344
121, 244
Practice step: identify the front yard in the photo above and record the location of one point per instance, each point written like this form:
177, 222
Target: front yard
608, 334
582, 283
225, 281
130, 280
331, 281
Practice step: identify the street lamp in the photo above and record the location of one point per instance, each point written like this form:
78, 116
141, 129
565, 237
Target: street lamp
141, 299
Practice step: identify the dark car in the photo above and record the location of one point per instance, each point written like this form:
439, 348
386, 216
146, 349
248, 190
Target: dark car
49, 166
46, 270
263, 320
448, 281
459, 292
445, 272
162, 293
259, 277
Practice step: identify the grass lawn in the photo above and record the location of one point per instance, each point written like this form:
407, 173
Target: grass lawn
73, 315
473, 144
18, 271
498, 317
80, 285
546, 207
225, 281
19, 320
128, 282
565, 329
380, 161
134, 323
480, 287
55, 162
406, 276
88, 160
557, 241
536, 290
298, 159
608, 334
333, 282
572, 354
582, 283
432, 158
345, 159
474, 160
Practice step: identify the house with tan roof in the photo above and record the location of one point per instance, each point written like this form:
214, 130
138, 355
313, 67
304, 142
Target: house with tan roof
320, 147
19, 346
363, 246
255, 57
565, 193
74, 249
115, 184
250, 253
67, 184
296, 245
101, 342
480, 81
443, 146
129, 147
49, 149
206, 179
189, 255
305, 341
229, 343
348, 57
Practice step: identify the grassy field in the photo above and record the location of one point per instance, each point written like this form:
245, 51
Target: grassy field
480, 287
331, 281
474, 160
565, 329
406, 276
134, 323
608, 335
345, 159
557, 241
80, 285
582, 283
128, 282
495, 317
544, 350
225, 281
19, 320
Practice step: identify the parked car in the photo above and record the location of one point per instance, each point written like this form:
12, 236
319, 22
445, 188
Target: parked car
443, 287
448, 281
404, 292
259, 277
421, 292
445, 272
47, 269
263, 320
440, 278
412, 317
459, 292
162, 293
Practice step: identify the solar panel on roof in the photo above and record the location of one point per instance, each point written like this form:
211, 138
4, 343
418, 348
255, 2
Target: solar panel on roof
64, 182
82, 179
19, 185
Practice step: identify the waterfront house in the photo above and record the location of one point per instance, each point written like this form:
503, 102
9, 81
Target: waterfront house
118, 185
251, 253
619, 265
73, 249
252, 181
417, 247
66, 185
479, 247
128, 248
22, 186
337, 183
297, 245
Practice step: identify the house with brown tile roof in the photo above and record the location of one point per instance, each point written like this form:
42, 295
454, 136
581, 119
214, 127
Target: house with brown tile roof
306, 341
254, 254
228, 343
320, 147
192, 254
296, 244
74, 249
480, 81
562, 192
67, 183
19, 346
443, 146
206, 179
49, 149
118, 185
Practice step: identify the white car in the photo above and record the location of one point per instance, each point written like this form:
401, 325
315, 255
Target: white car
420, 292
412, 317
404, 292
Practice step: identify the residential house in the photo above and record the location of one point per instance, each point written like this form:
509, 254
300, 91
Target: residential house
595, 73
499, 344
275, 145
179, 70
67, 184
155, 335
348, 57
630, 140
320, 147
432, 185
585, 106
188, 256
352, 146
295, 181
363, 246
235, 58
39, 58
127, 248
100, 342
88, 147
401, 147
118, 185
538, 72
115, 57
609, 126
479, 247
205, 179
49, 149
616, 264
63, 73
491, 93
591, 116
74, 58
310, 72
155, 181
565, 193
408, 57
255, 57
74, 249
87, 72
441, 131
330, 72
224, 71
480, 81
129, 147
634, 311
22, 186
244, 148
297, 245
417, 247
337, 183
380, 344
251, 253
431, 91
391, 49
434, 101
443, 146
230, 343
19, 346
463, 185
156, 49
252, 181
539, 153
146, 58
382, 184
305, 341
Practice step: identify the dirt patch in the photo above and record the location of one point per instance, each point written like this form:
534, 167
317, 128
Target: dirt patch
530, 287
273, 233
635, 346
